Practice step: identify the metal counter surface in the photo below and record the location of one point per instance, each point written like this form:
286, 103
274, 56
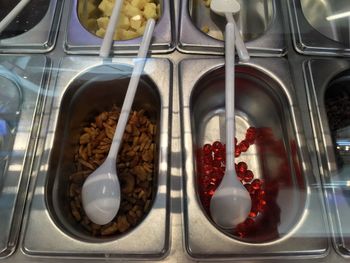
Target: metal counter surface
177, 251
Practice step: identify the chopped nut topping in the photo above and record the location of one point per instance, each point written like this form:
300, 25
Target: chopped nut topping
135, 166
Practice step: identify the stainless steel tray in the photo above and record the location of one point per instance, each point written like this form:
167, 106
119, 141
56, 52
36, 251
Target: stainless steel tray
319, 75
302, 229
313, 34
150, 239
80, 41
27, 77
39, 39
181, 231
263, 31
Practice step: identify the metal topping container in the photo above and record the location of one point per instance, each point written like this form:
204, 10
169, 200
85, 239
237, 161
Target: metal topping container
265, 100
22, 87
321, 27
328, 94
34, 30
80, 41
260, 22
92, 86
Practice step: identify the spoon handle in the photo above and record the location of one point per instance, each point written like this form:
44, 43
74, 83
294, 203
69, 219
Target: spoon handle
130, 94
12, 15
241, 48
108, 38
230, 95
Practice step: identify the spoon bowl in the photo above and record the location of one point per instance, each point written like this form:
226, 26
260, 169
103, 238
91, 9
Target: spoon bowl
231, 203
222, 7
101, 193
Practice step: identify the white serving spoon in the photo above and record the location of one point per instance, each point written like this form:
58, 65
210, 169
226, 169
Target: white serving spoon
105, 48
231, 202
228, 8
13, 14
101, 190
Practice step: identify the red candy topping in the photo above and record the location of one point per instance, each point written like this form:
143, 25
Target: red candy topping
211, 167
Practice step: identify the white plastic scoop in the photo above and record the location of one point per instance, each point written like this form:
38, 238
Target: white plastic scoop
228, 8
101, 190
231, 202
13, 14
105, 48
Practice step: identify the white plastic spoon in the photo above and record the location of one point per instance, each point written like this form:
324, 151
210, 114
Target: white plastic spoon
105, 48
101, 190
13, 14
228, 8
231, 202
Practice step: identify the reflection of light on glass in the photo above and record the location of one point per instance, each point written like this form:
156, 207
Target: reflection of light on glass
3, 130
162, 189
163, 166
338, 16
44, 167
15, 168
11, 190
343, 142
348, 183
346, 148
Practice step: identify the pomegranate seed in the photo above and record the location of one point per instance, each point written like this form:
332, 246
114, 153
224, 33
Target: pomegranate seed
261, 205
240, 175
244, 145
216, 163
256, 184
219, 157
211, 192
216, 171
261, 194
207, 159
248, 187
208, 169
249, 222
262, 202
248, 176
237, 151
217, 146
251, 135
207, 149
253, 214
242, 167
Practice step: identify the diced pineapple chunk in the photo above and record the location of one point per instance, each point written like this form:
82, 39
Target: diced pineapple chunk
128, 34
86, 8
150, 11
106, 7
123, 22
101, 32
158, 10
118, 34
102, 22
91, 24
140, 3
141, 30
131, 11
136, 22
